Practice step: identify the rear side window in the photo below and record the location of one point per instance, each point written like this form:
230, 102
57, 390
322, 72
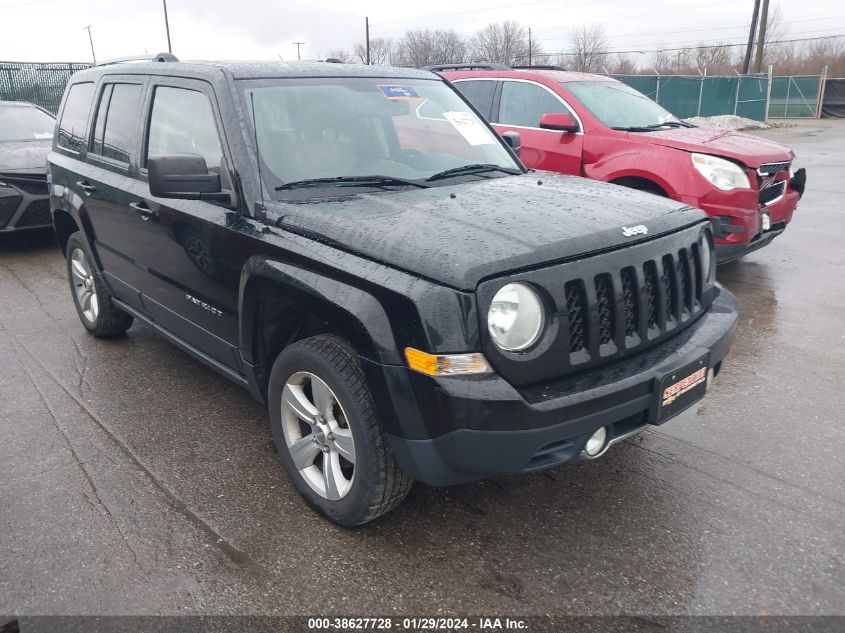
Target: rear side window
116, 122
182, 122
479, 94
523, 104
75, 116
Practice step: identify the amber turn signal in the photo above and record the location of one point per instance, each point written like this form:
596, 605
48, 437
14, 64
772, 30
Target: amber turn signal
446, 364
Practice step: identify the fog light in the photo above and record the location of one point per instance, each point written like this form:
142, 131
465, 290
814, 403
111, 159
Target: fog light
596, 443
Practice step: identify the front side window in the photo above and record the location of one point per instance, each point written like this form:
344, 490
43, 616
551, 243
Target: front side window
619, 106
182, 122
117, 121
25, 122
409, 130
72, 128
522, 104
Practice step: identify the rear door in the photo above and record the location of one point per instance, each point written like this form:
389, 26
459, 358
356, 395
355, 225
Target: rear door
520, 106
186, 256
110, 151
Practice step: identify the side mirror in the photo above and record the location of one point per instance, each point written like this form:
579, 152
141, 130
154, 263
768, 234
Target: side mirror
558, 121
183, 176
511, 139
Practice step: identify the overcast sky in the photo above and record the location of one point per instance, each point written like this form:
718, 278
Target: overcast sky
52, 30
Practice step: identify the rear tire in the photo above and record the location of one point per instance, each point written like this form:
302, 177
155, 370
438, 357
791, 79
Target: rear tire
328, 435
90, 295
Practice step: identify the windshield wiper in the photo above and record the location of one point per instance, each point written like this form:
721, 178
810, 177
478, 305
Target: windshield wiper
634, 128
653, 126
472, 168
669, 124
352, 181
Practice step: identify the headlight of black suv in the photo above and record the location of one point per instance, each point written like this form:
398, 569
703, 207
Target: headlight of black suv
515, 319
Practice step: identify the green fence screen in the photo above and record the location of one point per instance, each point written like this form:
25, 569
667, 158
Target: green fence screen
794, 97
689, 96
42, 84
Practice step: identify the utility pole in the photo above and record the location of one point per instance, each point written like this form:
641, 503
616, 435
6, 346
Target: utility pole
529, 47
761, 40
298, 44
747, 61
91, 39
367, 37
167, 26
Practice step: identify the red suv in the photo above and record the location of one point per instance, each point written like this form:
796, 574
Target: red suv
598, 127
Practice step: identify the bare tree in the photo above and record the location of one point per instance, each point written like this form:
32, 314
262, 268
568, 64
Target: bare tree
381, 49
661, 62
622, 64
426, 46
714, 59
501, 42
776, 30
588, 46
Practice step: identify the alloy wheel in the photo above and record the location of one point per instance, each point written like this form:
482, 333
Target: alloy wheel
317, 435
83, 285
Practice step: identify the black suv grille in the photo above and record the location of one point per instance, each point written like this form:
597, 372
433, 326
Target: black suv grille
35, 185
604, 304
654, 299
36, 214
576, 305
630, 301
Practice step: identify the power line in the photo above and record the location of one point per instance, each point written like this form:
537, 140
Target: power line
298, 44
602, 19
489, 9
696, 48
699, 30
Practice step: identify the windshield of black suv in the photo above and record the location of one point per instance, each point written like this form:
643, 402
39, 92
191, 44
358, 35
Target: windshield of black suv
25, 123
621, 107
349, 133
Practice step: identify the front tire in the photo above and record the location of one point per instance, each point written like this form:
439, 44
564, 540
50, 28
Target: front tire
328, 435
90, 295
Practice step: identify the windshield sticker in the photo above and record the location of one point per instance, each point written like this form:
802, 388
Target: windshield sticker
471, 129
400, 93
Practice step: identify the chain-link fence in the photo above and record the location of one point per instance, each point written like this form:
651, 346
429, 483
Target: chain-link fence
689, 96
748, 96
794, 97
42, 84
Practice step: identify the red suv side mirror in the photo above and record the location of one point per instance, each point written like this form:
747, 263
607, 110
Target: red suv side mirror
558, 121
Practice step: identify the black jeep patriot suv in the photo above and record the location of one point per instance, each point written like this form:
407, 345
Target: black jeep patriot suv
357, 247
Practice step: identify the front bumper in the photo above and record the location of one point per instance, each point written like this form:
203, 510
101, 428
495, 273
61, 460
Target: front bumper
23, 207
737, 216
482, 427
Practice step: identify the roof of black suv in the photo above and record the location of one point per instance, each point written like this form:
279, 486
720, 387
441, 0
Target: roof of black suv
254, 70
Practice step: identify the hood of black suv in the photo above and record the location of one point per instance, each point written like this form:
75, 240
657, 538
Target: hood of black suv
460, 234
24, 156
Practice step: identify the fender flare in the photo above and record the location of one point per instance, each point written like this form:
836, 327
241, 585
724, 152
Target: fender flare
354, 312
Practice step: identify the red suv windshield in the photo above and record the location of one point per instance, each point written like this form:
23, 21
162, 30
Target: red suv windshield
618, 105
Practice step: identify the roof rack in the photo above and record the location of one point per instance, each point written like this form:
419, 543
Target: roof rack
468, 66
161, 57
539, 67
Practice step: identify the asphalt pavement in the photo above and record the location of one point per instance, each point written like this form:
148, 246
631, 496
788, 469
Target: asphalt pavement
134, 480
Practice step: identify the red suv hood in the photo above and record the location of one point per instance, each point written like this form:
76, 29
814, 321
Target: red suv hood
749, 150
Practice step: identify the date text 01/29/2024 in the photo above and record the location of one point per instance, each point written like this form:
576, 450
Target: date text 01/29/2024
482, 624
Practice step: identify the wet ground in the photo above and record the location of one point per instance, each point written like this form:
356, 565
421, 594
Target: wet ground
135, 480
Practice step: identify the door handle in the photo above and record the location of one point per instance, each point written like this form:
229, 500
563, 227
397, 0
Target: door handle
86, 186
145, 212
